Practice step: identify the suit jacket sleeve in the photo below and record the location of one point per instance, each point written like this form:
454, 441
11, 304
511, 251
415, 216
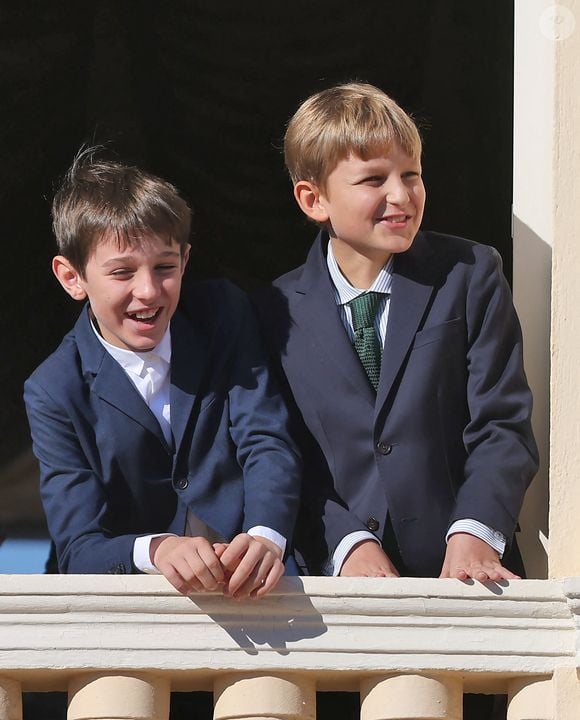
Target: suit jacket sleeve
259, 429
323, 518
73, 494
501, 452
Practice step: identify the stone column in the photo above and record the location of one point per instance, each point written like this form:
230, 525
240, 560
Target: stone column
531, 699
547, 237
118, 697
411, 697
567, 693
10, 700
264, 697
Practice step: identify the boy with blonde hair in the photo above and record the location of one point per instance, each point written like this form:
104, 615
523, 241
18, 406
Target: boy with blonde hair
161, 438
402, 355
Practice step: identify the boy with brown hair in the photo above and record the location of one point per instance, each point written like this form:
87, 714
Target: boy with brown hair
402, 355
161, 438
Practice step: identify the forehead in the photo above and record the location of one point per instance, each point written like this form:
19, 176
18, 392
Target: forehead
139, 245
381, 158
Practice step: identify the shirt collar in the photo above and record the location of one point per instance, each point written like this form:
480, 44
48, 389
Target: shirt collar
135, 362
345, 292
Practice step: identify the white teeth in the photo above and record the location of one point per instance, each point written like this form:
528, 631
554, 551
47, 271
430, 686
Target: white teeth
397, 218
145, 315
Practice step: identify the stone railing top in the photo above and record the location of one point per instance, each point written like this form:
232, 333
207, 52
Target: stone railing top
52, 627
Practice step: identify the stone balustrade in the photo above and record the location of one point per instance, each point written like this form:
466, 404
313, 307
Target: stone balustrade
411, 647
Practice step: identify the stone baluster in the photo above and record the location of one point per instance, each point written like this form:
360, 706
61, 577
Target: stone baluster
119, 697
264, 697
411, 697
10, 699
531, 699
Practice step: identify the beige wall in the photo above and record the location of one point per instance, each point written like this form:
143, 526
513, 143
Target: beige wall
546, 217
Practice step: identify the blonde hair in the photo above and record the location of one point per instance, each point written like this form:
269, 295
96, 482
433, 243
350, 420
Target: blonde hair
355, 118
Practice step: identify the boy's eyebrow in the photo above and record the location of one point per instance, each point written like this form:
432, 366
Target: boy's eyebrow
124, 258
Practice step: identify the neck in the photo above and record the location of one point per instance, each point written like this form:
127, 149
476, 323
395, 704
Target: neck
360, 268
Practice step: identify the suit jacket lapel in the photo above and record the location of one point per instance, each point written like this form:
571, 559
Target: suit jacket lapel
110, 382
189, 358
411, 292
314, 310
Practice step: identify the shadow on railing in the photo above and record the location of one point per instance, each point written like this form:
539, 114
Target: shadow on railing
119, 644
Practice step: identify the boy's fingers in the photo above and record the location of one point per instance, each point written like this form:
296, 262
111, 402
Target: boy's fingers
255, 566
262, 579
208, 567
178, 573
234, 553
246, 571
271, 580
468, 557
190, 564
257, 578
482, 573
219, 548
368, 559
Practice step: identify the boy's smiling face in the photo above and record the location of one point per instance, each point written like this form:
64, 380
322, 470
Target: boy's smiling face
133, 291
371, 208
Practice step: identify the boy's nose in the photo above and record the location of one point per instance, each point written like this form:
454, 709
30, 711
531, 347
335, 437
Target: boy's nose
396, 191
146, 287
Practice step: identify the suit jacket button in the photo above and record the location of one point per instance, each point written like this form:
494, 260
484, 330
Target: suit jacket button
181, 483
373, 524
384, 448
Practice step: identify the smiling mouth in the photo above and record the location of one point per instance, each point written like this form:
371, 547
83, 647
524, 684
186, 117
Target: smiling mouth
396, 219
145, 316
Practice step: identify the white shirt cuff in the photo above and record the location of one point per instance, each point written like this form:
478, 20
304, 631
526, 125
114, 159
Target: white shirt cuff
142, 560
334, 564
141, 556
269, 534
494, 538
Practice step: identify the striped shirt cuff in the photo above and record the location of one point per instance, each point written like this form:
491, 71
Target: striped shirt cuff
492, 537
334, 564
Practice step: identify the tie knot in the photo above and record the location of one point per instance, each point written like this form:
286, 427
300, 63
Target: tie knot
364, 309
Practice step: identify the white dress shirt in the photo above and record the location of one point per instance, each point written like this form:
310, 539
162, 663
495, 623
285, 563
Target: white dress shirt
344, 293
150, 374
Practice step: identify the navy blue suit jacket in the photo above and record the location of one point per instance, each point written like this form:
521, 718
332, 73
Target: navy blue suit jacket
448, 434
107, 473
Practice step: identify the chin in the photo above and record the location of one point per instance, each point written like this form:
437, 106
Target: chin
402, 245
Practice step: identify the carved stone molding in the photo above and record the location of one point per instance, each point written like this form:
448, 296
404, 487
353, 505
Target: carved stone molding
341, 629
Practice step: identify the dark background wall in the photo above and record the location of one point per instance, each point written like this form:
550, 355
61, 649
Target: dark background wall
199, 92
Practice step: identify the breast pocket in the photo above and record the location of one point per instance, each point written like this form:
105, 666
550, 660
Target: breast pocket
451, 331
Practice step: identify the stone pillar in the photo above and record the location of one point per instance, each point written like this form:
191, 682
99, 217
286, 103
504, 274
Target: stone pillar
264, 697
533, 238
411, 697
10, 700
566, 693
118, 697
564, 548
531, 699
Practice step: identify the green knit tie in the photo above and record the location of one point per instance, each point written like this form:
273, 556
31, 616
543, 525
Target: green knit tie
366, 343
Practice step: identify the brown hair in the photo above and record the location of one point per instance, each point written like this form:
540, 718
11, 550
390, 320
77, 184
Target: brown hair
104, 196
354, 118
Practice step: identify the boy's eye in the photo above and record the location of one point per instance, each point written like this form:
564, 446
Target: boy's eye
166, 267
373, 180
121, 272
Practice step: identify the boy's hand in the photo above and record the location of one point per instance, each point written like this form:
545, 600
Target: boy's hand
469, 557
189, 563
368, 559
254, 566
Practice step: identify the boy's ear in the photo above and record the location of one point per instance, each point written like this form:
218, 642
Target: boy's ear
185, 257
308, 197
68, 277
